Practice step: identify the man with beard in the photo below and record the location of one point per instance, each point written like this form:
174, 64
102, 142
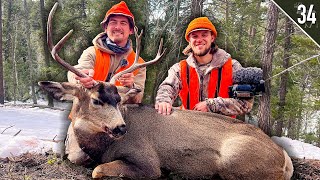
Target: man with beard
202, 80
111, 53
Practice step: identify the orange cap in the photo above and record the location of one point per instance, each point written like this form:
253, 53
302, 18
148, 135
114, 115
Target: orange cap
119, 9
201, 23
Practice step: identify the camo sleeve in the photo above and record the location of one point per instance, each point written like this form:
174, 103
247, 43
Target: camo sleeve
230, 106
169, 89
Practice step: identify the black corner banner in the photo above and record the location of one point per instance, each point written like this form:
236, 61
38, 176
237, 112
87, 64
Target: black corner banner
305, 13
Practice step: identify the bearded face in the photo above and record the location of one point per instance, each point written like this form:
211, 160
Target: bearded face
118, 29
200, 42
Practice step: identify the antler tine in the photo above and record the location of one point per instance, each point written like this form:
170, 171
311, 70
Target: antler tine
59, 45
49, 26
136, 65
138, 43
157, 58
54, 49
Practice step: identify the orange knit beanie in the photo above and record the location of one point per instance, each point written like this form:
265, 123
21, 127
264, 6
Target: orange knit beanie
119, 9
201, 23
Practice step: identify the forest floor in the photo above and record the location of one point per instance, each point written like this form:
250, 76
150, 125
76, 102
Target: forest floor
51, 166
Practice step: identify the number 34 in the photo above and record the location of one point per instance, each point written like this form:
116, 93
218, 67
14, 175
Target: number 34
310, 17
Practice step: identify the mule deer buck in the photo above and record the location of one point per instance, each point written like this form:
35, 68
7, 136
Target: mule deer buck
190, 143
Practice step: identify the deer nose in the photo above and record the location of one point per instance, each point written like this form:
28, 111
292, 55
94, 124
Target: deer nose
119, 130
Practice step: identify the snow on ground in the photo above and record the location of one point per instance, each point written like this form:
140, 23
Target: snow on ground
40, 126
297, 148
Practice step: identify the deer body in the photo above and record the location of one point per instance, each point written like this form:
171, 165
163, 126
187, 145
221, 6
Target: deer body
192, 144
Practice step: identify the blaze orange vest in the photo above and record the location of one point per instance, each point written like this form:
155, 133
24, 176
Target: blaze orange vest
190, 92
102, 65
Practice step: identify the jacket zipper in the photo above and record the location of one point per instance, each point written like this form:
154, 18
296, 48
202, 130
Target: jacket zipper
201, 88
115, 69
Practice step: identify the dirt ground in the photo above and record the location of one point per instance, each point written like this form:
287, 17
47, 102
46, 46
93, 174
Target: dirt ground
306, 169
52, 166
37, 166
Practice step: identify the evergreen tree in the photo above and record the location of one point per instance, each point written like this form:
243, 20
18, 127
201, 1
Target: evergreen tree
267, 57
1, 60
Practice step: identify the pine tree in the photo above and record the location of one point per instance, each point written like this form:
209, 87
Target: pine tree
267, 57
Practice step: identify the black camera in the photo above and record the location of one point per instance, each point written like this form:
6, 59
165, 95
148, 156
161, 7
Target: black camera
246, 90
248, 82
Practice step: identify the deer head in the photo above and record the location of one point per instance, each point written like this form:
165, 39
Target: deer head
95, 110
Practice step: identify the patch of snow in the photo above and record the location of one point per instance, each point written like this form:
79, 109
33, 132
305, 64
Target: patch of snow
31, 130
17, 145
297, 148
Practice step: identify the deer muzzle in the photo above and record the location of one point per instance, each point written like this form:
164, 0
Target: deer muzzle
119, 131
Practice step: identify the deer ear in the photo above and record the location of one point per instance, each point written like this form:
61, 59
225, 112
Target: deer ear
128, 93
60, 91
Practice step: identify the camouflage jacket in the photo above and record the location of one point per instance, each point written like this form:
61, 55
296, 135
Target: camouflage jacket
169, 89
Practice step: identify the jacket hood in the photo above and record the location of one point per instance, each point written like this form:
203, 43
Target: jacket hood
218, 60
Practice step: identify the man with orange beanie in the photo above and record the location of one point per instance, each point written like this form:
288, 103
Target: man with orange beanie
111, 53
202, 80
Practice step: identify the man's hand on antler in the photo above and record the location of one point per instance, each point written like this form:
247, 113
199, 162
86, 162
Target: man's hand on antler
87, 82
127, 80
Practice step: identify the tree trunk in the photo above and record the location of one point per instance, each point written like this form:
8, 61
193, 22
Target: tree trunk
318, 134
8, 47
227, 21
8, 43
284, 77
45, 46
196, 8
83, 8
298, 125
264, 113
1, 60
31, 64
239, 43
14, 63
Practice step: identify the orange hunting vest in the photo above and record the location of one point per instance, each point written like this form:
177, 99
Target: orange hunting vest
102, 65
190, 92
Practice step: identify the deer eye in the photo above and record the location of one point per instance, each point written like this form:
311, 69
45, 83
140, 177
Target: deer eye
97, 102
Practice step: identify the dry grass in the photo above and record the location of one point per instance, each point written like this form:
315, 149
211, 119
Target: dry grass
51, 166
37, 166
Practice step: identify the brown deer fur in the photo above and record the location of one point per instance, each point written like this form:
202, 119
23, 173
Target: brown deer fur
190, 143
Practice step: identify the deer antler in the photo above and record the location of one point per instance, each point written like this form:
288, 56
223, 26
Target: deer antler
54, 49
137, 65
